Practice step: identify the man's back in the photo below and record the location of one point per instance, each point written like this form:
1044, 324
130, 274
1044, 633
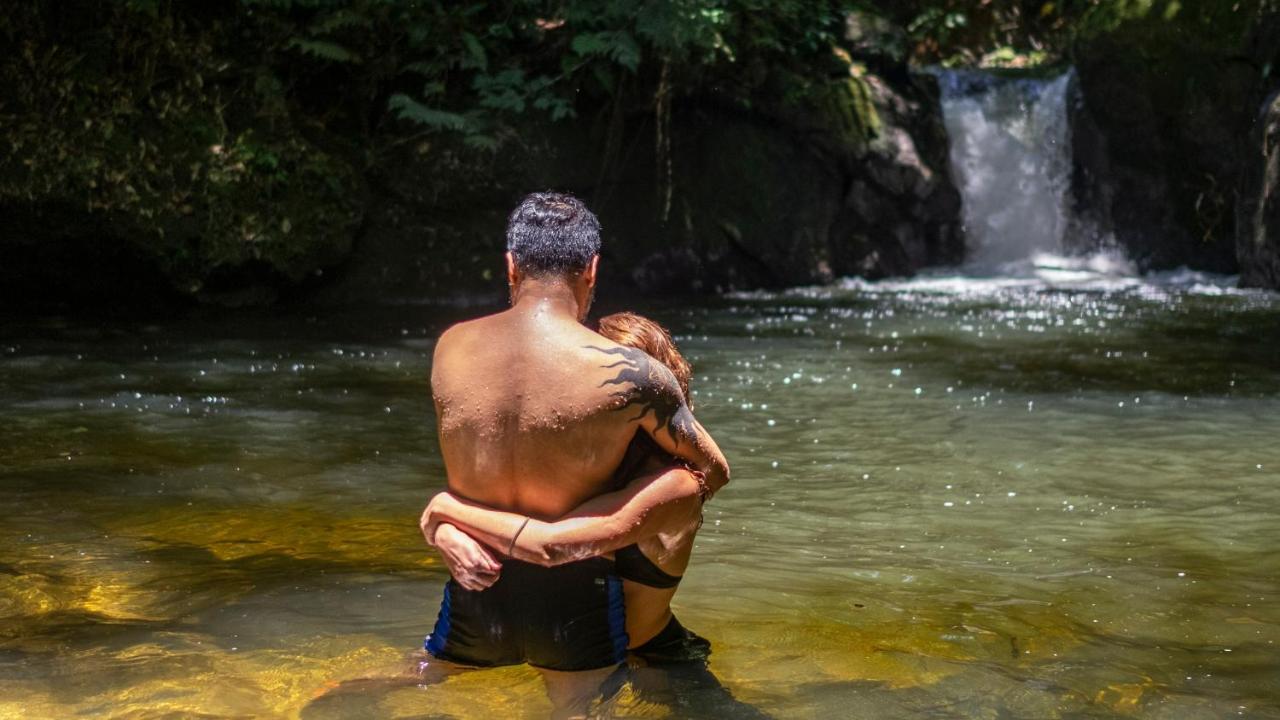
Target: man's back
530, 407
535, 413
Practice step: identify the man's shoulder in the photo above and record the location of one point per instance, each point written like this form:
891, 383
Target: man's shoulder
629, 369
465, 330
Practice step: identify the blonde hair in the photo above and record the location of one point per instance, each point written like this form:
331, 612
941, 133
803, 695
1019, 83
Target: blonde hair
644, 334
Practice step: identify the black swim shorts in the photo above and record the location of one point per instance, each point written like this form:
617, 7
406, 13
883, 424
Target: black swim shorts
569, 617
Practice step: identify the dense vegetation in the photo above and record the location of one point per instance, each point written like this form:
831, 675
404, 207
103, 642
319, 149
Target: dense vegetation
222, 140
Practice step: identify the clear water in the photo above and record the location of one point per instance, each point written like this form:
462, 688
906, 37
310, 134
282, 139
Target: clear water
1054, 496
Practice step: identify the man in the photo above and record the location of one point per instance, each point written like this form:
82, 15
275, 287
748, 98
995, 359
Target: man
535, 414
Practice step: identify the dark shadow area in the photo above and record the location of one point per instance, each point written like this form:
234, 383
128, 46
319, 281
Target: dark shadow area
57, 259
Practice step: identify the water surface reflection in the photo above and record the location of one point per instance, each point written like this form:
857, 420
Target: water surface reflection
950, 499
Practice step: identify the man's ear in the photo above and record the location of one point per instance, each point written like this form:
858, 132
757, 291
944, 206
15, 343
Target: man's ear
513, 274
589, 275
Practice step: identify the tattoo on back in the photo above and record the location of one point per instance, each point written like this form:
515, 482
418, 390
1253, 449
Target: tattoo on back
647, 385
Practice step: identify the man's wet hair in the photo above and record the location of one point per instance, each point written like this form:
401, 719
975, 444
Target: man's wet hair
552, 233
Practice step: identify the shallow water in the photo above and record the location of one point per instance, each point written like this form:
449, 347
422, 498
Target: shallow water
1047, 497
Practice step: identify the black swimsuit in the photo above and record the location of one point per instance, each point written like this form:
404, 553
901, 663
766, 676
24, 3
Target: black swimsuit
631, 563
674, 644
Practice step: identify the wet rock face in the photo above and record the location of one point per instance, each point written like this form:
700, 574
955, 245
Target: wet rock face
1155, 136
1167, 141
1258, 211
859, 185
901, 211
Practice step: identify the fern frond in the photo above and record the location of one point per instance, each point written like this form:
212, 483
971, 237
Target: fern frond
409, 109
325, 50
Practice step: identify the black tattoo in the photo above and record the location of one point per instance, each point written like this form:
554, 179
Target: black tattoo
648, 385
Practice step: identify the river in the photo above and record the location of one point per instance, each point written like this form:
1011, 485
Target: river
1053, 496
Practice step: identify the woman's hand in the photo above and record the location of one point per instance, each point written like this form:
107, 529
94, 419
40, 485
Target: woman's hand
470, 563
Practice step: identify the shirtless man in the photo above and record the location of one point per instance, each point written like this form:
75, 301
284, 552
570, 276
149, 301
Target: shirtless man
535, 414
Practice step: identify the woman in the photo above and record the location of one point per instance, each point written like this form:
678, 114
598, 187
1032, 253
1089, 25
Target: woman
648, 523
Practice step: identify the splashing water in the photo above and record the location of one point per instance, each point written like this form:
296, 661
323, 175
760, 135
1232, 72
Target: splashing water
1010, 145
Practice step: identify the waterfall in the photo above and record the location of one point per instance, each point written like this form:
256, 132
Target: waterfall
1010, 158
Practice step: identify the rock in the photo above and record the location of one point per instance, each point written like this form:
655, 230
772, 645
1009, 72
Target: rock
751, 206
851, 178
1258, 196
1258, 210
901, 212
1155, 136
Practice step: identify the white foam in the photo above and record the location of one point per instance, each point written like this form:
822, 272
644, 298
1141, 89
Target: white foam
1102, 272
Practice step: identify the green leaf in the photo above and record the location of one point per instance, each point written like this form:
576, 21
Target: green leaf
324, 50
409, 109
339, 20
626, 52
421, 68
595, 43
617, 46
558, 107
476, 58
504, 91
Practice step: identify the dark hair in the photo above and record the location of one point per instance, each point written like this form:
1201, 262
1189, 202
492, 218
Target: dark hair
552, 234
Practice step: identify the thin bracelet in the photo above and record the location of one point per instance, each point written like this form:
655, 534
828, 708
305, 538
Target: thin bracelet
515, 537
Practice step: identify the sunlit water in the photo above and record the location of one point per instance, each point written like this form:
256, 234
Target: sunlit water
1036, 497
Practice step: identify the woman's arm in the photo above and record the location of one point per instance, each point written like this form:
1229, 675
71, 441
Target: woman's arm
662, 501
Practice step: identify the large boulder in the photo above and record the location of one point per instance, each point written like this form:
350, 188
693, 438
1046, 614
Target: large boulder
1258, 210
